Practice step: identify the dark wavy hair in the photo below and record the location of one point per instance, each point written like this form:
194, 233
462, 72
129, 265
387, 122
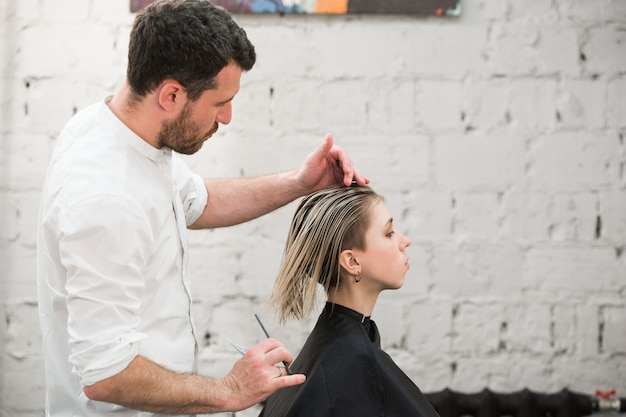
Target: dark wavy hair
190, 41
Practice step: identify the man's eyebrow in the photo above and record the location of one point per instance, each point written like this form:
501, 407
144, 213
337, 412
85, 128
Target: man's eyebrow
219, 103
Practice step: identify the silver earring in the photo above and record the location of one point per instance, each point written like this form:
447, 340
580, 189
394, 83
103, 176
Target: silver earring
358, 278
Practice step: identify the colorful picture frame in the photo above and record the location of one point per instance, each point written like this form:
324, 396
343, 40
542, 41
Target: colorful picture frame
330, 7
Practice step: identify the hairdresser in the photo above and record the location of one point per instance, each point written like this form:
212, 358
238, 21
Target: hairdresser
112, 250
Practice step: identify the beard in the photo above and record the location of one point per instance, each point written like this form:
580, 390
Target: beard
182, 135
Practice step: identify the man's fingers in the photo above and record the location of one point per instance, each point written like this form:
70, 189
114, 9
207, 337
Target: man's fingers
279, 354
271, 352
360, 179
324, 147
289, 380
328, 140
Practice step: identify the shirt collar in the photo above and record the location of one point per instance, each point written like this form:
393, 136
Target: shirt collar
159, 156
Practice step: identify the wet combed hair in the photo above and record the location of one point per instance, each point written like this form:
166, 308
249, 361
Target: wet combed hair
325, 223
190, 41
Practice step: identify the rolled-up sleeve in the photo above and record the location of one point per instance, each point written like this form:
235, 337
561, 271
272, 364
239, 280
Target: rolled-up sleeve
104, 293
191, 189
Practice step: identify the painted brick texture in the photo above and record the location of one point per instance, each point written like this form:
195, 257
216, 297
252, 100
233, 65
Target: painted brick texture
498, 139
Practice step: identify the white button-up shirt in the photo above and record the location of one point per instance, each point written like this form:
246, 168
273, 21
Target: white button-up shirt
111, 258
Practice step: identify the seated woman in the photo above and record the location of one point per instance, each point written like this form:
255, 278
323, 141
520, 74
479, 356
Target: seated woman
343, 238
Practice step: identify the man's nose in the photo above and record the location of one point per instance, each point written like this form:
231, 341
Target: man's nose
225, 114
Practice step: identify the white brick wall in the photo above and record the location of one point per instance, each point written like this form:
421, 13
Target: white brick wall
498, 138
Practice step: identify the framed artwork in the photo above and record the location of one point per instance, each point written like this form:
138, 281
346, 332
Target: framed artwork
399, 7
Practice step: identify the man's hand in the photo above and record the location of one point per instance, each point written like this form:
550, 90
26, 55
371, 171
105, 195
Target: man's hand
144, 385
327, 165
256, 375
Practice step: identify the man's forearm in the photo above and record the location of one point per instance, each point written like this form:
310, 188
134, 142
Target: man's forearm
235, 201
238, 200
146, 386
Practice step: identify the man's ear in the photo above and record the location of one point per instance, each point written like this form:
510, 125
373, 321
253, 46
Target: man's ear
172, 96
348, 261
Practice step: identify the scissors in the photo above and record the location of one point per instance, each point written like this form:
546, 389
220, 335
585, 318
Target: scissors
243, 352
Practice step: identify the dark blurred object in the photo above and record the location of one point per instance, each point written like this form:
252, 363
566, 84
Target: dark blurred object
428, 7
524, 403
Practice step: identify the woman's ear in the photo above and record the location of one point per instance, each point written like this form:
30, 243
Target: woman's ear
349, 262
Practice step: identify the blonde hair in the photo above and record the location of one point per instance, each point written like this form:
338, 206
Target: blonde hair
325, 223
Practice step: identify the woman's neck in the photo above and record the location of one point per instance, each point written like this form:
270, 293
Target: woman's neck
354, 299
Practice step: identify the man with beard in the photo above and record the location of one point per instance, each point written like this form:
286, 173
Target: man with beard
112, 250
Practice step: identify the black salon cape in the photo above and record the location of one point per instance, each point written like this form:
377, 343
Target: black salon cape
348, 374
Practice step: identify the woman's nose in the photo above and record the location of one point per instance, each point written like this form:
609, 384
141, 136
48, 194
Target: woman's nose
406, 242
